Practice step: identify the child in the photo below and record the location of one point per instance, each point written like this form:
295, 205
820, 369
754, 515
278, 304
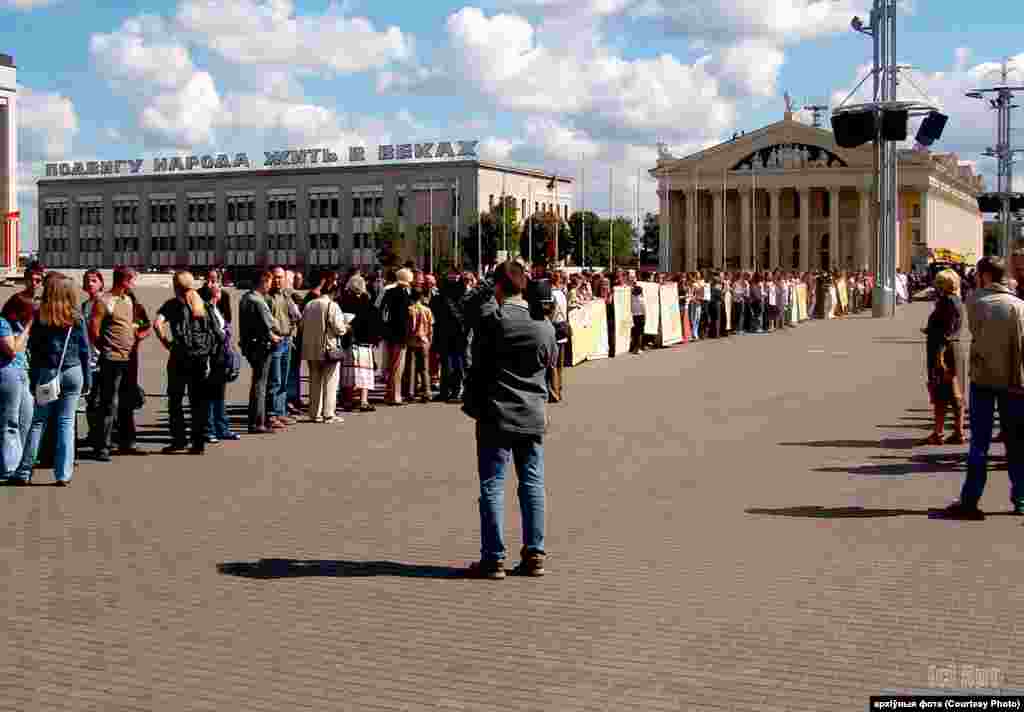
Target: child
421, 334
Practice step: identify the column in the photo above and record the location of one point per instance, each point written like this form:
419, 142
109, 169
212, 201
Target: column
692, 219
718, 234
775, 206
664, 230
835, 259
745, 238
674, 251
804, 196
864, 230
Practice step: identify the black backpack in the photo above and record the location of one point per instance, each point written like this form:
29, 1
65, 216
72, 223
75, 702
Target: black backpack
199, 339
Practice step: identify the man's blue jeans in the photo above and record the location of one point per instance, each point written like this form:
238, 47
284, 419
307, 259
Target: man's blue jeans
695, 314
495, 451
66, 406
277, 383
15, 416
217, 423
984, 402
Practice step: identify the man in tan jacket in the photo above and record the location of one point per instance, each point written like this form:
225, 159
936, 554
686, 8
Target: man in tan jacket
995, 316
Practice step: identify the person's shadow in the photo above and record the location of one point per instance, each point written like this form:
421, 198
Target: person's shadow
295, 568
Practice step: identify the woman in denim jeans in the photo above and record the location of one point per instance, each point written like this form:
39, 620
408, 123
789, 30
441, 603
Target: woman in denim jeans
15, 398
58, 348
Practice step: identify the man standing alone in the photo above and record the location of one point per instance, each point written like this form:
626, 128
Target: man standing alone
506, 395
996, 319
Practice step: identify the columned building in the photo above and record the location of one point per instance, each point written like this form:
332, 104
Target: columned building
10, 217
786, 196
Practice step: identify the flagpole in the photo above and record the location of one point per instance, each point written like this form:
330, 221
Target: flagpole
430, 193
558, 217
458, 221
529, 244
504, 240
725, 196
611, 219
583, 212
668, 224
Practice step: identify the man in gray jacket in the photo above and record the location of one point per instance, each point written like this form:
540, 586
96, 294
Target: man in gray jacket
996, 319
506, 394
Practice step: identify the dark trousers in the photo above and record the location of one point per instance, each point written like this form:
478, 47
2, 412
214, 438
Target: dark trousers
260, 364
114, 400
983, 405
739, 317
756, 315
714, 319
453, 365
636, 340
188, 377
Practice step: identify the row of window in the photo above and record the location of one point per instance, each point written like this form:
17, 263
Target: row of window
330, 241
237, 210
201, 243
538, 207
56, 245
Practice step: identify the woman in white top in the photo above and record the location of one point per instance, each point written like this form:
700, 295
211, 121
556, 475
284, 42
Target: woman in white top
322, 321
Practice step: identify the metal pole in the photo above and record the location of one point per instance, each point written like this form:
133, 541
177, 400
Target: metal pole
611, 219
558, 217
504, 222
479, 233
583, 215
430, 193
529, 235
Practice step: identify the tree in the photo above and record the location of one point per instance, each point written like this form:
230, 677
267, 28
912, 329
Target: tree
543, 231
490, 233
577, 222
597, 242
386, 239
649, 241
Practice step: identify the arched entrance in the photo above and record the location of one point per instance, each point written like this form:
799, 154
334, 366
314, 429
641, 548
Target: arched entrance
824, 252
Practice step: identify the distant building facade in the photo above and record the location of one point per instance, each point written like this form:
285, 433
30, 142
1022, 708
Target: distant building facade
787, 196
292, 211
10, 217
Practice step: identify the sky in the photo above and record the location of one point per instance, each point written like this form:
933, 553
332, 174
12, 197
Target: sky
555, 84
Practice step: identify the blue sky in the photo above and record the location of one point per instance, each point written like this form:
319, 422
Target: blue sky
539, 82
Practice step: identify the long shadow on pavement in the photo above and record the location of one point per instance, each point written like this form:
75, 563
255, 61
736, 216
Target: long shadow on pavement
882, 443
294, 568
814, 512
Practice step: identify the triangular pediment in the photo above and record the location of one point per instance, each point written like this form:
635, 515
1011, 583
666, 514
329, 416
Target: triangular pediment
782, 145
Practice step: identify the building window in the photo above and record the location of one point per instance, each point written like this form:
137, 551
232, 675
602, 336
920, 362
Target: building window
490, 203
367, 207
524, 206
826, 204
796, 204
916, 210
536, 207
401, 206
357, 208
916, 236
378, 205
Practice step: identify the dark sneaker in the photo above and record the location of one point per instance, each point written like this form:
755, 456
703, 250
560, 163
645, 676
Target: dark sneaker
230, 437
958, 511
102, 456
532, 564
493, 570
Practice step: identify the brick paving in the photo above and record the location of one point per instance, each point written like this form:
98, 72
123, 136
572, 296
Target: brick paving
732, 525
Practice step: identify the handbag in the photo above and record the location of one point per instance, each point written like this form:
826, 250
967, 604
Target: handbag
48, 392
333, 349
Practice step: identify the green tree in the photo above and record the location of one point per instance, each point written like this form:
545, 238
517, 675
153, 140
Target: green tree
387, 241
578, 223
542, 227
649, 241
597, 243
490, 233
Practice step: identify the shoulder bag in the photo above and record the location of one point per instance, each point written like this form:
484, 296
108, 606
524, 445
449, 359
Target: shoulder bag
48, 392
332, 349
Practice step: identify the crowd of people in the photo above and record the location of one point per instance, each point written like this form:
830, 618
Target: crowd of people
400, 330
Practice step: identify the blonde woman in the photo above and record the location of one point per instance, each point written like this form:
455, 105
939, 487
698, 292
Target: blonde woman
322, 322
193, 341
945, 359
58, 349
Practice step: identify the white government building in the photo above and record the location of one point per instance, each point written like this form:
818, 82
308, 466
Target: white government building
10, 217
787, 196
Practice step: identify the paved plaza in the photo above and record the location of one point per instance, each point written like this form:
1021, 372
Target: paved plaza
732, 525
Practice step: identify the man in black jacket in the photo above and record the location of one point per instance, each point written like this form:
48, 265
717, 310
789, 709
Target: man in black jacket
507, 394
395, 331
450, 336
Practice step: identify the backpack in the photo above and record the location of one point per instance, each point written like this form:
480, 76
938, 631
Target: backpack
199, 339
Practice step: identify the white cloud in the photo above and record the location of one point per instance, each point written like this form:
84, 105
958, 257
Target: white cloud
176, 102
508, 62
47, 123
270, 33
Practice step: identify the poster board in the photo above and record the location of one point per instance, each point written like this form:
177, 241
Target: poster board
622, 298
671, 324
599, 330
581, 333
801, 302
844, 294
652, 305
727, 301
